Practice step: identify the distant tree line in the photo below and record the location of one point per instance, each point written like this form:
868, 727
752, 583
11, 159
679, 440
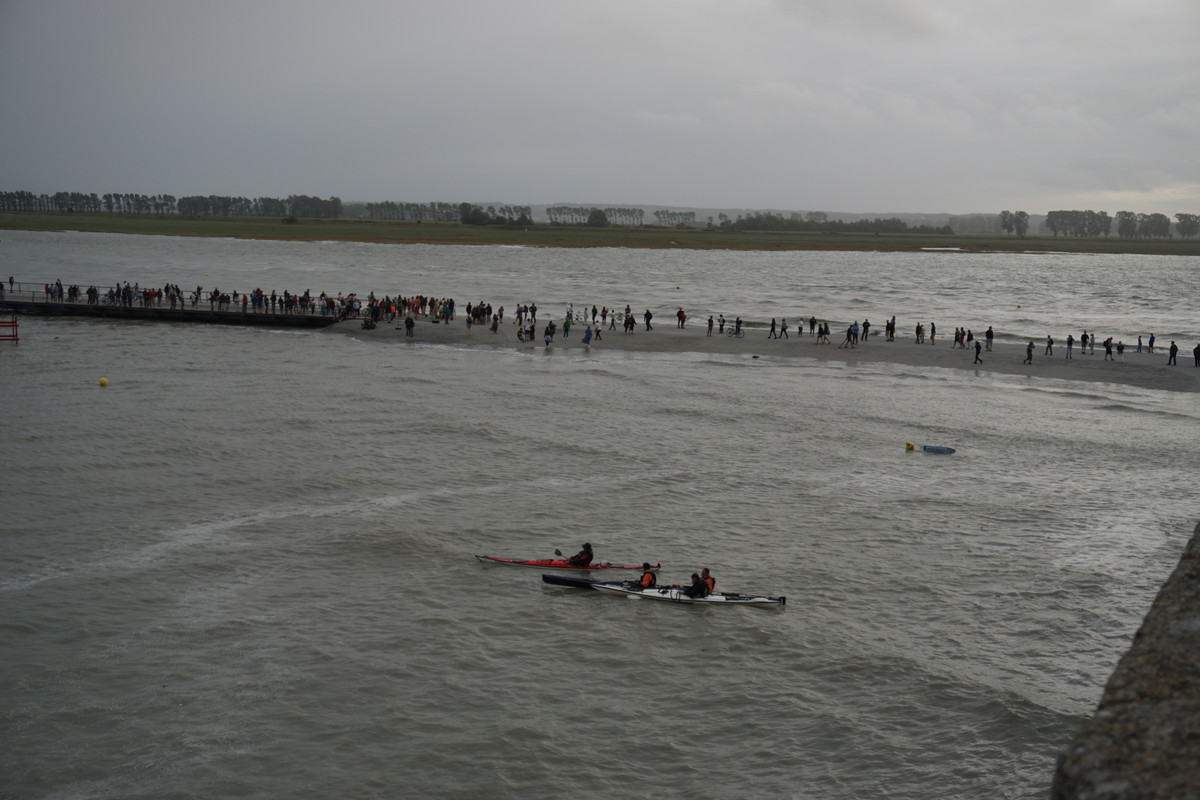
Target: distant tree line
1128, 224
819, 222
470, 214
160, 204
586, 215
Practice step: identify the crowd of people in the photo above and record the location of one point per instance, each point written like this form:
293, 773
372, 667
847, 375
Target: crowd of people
443, 310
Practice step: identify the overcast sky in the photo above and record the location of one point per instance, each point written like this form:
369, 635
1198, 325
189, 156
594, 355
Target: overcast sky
841, 105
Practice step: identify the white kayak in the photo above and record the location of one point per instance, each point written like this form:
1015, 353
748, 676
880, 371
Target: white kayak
676, 594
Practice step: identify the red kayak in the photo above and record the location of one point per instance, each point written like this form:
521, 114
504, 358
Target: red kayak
557, 563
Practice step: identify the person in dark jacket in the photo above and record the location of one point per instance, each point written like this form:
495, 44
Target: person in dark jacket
583, 557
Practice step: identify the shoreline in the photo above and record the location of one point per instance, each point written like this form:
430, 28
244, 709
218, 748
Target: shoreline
1141, 370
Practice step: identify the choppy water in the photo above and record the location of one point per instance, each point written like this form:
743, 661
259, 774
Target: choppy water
243, 569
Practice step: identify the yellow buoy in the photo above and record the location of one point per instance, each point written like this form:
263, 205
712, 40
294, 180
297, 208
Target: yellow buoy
104, 381
908, 446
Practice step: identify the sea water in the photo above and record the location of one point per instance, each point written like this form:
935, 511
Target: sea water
244, 567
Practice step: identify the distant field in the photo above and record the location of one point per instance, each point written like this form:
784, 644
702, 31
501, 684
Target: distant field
568, 236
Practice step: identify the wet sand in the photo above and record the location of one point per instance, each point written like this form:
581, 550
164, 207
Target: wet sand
1139, 369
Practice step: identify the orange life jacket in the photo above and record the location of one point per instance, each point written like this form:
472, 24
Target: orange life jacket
648, 580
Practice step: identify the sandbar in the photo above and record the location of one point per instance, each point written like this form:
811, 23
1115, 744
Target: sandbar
1143, 370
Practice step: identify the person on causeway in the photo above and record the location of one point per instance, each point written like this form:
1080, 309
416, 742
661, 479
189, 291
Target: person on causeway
709, 581
648, 580
698, 588
583, 557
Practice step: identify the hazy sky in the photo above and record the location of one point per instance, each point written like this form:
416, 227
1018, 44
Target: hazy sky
848, 105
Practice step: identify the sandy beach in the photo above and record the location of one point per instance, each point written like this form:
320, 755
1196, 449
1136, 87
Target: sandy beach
1144, 370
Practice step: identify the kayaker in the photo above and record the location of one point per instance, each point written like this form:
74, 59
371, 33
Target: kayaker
583, 557
698, 588
648, 579
709, 581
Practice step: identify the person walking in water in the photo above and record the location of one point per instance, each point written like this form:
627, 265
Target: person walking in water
648, 316
772, 335
978, 347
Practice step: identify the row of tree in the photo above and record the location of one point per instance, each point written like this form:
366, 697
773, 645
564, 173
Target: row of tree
579, 215
297, 205
470, 214
1128, 224
819, 222
438, 212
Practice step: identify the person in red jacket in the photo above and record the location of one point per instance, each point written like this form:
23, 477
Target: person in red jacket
648, 580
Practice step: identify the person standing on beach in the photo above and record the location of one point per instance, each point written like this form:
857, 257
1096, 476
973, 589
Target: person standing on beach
710, 325
854, 332
594, 312
772, 335
1070, 342
1049, 346
587, 337
648, 316
533, 313
1174, 351
1108, 354
866, 329
737, 326
1150, 345
409, 324
1196, 353
932, 332
681, 316
1028, 353
566, 326
918, 332
721, 323
978, 347
1139, 343
989, 336
812, 325
783, 328
1083, 340
1121, 352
